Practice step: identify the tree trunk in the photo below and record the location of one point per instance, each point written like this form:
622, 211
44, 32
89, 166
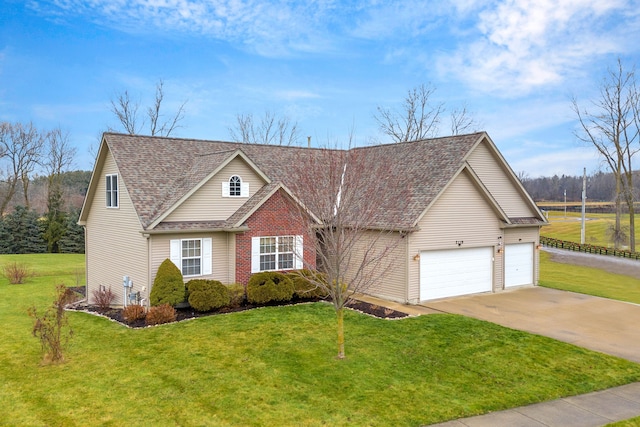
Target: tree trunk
340, 315
632, 228
617, 232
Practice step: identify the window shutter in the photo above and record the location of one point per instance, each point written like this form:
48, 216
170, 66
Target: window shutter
206, 256
299, 253
175, 252
255, 254
225, 189
244, 189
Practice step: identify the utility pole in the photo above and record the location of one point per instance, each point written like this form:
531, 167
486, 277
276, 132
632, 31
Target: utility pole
565, 203
584, 203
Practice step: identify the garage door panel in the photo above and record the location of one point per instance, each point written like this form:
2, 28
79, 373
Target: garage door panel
518, 264
455, 272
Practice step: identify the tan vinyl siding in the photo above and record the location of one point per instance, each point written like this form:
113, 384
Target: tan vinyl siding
222, 252
499, 183
389, 275
460, 214
116, 247
525, 235
207, 203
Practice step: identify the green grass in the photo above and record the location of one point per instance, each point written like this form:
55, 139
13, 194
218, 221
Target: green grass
588, 280
596, 227
277, 366
633, 422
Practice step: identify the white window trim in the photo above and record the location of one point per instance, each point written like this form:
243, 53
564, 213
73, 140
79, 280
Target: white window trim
109, 203
297, 253
226, 188
175, 250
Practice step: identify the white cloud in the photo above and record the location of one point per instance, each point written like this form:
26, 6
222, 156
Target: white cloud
270, 27
568, 161
514, 120
294, 95
522, 45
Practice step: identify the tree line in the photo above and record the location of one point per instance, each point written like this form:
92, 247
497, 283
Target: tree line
601, 187
40, 198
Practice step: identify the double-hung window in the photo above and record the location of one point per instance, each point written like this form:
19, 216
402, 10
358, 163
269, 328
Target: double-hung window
112, 191
275, 253
192, 256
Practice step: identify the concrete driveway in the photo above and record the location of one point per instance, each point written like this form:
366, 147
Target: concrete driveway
607, 326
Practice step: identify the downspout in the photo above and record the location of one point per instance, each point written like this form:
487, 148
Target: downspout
86, 264
407, 268
146, 293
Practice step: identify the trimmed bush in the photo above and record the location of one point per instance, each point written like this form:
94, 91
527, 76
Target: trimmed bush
303, 287
168, 286
160, 314
134, 312
206, 295
269, 286
238, 294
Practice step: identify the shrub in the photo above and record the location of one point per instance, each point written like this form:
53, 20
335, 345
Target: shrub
159, 314
103, 298
168, 286
52, 327
269, 286
17, 273
303, 287
237, 293
133, 312
205, 295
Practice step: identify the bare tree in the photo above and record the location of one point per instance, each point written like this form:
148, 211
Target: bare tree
462, 121
20, 147
353, 250
126, 111
58, 158
417, 119
269, 129
59, 155
613, 128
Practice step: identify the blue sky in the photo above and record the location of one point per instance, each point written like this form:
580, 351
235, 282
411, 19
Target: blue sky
326, 64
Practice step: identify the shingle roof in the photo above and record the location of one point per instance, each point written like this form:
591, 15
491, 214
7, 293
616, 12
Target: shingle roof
160, 171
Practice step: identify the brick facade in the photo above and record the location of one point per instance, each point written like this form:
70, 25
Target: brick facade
278, 216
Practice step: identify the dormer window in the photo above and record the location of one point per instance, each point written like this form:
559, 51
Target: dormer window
235, 187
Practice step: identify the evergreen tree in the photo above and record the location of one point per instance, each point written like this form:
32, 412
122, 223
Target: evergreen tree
55, 221
24, 232
6, 240
73, 239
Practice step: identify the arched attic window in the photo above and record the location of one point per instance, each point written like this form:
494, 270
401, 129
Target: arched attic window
235, 187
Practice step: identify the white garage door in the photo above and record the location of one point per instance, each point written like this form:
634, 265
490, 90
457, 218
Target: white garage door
518, 264
455, 272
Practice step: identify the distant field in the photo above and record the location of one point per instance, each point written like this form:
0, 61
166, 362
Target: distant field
597, 227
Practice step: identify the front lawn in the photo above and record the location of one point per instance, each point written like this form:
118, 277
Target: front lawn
277, 366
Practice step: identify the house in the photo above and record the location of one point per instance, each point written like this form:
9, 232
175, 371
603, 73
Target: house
225, 210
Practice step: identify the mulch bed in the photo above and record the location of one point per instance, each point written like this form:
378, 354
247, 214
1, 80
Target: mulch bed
115, 314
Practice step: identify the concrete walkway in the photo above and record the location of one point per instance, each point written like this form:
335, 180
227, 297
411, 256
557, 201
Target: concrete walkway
599, 324
587, 410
